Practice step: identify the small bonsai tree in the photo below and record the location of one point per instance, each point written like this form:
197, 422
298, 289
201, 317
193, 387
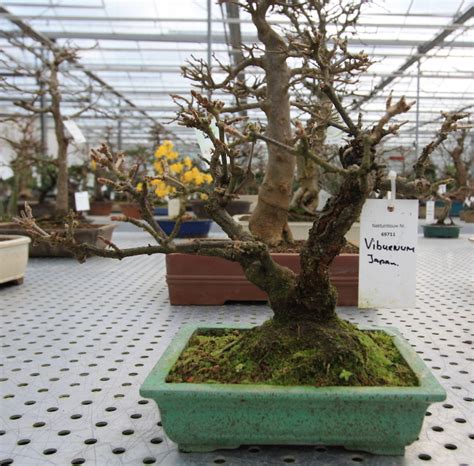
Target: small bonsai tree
461, 187
26, 148
49, 77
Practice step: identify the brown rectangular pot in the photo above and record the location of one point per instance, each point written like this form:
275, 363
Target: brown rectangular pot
213, 281
467, 216
82, 235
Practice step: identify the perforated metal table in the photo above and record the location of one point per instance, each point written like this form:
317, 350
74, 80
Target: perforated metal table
78, 340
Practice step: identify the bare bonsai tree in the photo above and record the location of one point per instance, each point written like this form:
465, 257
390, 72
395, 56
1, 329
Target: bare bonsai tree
48, 77
304, 305
462, 187
26, 146
462, 163
319, 51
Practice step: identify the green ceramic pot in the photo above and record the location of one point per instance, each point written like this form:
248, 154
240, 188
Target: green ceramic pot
441, 231
206, 417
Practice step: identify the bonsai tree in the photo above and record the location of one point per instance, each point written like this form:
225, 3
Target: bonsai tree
461, 166
305, 325
26, 148
459, 183
49, 77
308, 51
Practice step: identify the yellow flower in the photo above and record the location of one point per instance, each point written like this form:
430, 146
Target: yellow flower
177, 167
199, 178
172, 155
188, 177
162, 189
164, 149
158, 168
93, 165
139, 187
188, 163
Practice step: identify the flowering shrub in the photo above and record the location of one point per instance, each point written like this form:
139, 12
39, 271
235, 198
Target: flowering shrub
178, 167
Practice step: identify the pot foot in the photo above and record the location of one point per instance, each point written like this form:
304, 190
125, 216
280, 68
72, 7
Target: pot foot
378, 449
199, 448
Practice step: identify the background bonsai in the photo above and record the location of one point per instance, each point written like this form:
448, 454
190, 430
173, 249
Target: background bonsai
305, 336
459, 186
26, 148
316, 52
48, 98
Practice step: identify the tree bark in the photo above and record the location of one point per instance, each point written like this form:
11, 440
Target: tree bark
459, 166
62, 203
306, 197
269, 221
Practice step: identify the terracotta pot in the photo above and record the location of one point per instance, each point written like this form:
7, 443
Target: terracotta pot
82, 235
213, 281
13, 258
234, 207
467, 216
131, 210
100, 208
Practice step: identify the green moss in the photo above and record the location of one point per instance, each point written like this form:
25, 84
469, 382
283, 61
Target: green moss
335, 353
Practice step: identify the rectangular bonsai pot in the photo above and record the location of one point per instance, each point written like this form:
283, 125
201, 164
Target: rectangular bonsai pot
13, 258
213, 281
207, 417
82, 235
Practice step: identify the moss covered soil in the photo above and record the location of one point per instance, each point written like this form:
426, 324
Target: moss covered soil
335, 353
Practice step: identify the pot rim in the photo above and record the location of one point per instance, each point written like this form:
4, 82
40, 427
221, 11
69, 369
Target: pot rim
13, 240
429, 389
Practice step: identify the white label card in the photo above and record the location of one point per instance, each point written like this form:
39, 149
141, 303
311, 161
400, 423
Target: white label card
74, 131
174, 206
205, 144
430, 211
387, 267
81, 199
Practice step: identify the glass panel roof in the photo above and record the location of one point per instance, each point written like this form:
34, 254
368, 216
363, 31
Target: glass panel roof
138, 47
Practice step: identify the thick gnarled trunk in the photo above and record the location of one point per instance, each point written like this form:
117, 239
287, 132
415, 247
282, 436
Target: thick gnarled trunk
269, 221
311, 297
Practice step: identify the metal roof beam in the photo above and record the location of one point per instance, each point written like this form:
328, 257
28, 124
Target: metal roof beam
423, 50
186, 37
231, 19
47, 42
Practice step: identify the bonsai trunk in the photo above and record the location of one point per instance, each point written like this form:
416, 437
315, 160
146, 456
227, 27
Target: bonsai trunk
311, 297
269, 220
445, 211
62, 203
306, 197
460, 167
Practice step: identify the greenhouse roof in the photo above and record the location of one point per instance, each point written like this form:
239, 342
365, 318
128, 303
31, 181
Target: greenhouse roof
131, 53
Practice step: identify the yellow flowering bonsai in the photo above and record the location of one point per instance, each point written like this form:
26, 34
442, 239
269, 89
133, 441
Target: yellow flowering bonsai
169, 164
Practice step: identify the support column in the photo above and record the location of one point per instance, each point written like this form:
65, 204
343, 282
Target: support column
417, 129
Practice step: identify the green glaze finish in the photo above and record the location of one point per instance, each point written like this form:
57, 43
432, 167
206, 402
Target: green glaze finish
206, 417
441, 231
